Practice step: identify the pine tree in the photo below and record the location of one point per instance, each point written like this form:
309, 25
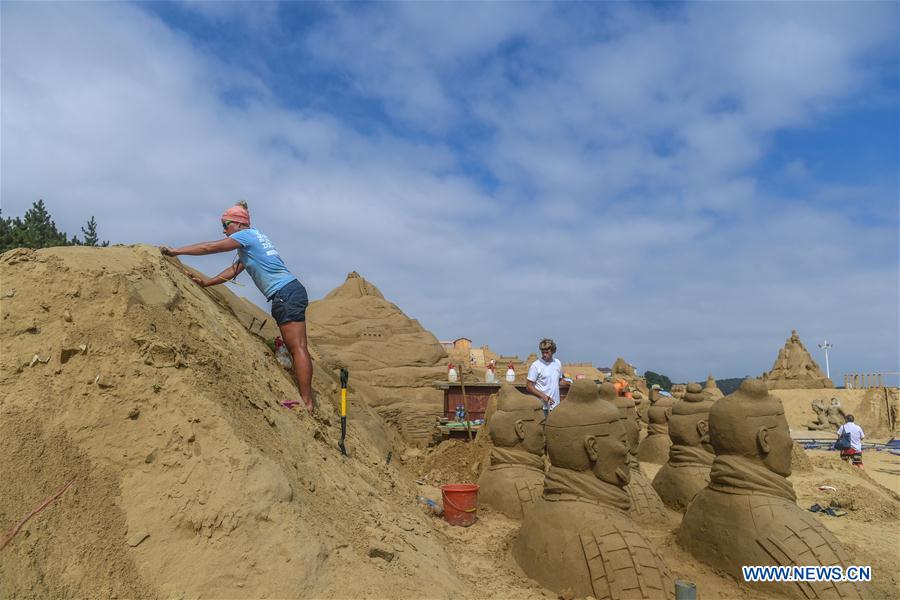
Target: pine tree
90, 234
38, 230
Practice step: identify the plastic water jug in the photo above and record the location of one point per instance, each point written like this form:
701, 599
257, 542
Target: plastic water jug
452, 376
510, 376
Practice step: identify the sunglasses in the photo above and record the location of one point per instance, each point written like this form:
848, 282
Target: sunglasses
225, 224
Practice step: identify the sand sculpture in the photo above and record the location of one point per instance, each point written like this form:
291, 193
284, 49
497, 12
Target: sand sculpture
748, 515
795, 368
691, 454
393, 360
645, 502
621, 368
821, 423
835, 414
711, 389
578, 536
655, 447
514, 479
678, 390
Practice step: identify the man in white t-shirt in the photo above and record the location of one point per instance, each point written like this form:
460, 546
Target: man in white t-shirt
544, 375
854, 452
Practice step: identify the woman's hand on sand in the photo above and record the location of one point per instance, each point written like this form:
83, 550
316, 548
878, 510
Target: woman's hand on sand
167, 251
201, 281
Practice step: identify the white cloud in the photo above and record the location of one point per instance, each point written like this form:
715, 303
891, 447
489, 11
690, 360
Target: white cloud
625, 221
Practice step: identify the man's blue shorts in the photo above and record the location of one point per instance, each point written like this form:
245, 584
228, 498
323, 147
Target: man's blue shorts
289, 303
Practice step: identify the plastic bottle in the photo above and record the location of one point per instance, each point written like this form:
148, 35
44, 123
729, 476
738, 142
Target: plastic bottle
510, 375
490, 376
430, 505
452, 376
282, 354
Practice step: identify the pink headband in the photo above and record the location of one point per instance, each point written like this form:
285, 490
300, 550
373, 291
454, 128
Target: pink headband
238, 214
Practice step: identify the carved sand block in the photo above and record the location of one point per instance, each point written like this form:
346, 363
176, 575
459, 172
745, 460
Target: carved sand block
655, 447
515, 478
691, 454
579, 536
646, 505
748, 515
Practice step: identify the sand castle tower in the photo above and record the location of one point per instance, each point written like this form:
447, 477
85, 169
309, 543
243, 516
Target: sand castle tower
514, 480
578, 536
748, 514
645, 502
691, 454
795, 368
655, 447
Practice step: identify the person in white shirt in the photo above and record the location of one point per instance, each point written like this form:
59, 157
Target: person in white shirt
544, 375
854, 452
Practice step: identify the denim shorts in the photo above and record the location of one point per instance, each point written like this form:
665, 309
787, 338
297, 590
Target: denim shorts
289, 303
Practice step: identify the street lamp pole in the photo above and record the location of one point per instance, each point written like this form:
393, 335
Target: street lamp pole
826, 347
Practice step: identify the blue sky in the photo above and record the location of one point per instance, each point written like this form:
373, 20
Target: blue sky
678, 184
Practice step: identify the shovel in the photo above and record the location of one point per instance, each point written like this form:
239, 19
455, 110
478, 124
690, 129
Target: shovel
345, 375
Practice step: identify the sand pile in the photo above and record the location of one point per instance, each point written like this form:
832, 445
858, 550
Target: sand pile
879, 410
795, 368
150, 393
392, 359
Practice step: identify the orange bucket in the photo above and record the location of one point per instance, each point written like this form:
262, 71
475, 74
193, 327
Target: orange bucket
460, 503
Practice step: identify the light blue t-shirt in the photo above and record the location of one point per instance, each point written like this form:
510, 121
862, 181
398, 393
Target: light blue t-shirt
261, 259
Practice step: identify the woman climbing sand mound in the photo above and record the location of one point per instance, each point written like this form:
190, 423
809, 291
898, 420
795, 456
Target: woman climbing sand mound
258, 255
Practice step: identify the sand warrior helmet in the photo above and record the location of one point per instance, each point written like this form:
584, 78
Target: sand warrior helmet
751, 423
518, 420
689, 423
547, 344
585, 433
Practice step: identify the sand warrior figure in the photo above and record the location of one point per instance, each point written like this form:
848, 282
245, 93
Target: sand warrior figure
835, 414
257, 254
691, 454
578, 536
711, 389
655, 447
748, 514
515, 478
821, 423
645, 502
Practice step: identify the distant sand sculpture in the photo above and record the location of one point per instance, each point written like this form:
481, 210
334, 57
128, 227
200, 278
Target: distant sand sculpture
578, 536
795, 368
514, 479
645, 502
655, 447
691, 454
678, 390
623, 369
711, 389
392, 359
748, 514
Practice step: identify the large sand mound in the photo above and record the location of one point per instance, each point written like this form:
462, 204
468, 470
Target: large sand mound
394, 360
190, 480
